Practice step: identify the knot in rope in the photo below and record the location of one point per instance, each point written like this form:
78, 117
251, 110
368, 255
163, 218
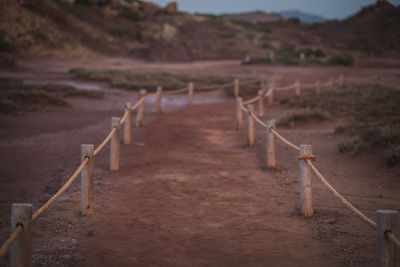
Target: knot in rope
311, 157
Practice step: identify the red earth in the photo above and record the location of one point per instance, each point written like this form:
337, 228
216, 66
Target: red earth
190, 192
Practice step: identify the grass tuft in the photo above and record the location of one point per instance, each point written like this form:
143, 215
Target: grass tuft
148, 80
15, 96
289, 120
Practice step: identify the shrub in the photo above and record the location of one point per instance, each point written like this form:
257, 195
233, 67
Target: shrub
287, 58
320, 53
392, 154
294, 20
307, 115
229, 34
118, 30
4, 45
341, 59
308, 52
352, 143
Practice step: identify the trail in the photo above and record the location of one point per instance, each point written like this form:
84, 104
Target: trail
194, 195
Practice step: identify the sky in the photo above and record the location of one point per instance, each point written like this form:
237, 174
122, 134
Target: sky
330, 9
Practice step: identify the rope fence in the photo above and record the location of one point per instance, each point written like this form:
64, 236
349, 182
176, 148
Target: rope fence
22, 216
387, 220
25, 217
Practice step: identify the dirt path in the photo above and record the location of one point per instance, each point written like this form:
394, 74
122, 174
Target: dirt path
189, 193
194, 196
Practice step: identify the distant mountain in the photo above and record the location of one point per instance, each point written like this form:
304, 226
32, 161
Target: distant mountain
303, 17
255, 17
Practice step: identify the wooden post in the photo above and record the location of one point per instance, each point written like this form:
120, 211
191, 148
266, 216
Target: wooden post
386, 220
330, 82
128, 124
297, 88
271, 96
191, 90
239, 114
261, 103
236, 89
263, 83
305, 183
271, 161
21, 249
115, 145
139, 116
341, 80
250, 125
87, 188
318, 88
159, 99
282, 81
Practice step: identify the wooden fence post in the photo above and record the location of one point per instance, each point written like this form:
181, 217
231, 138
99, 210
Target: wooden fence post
115, 145
21, 249
250, 125
305, 183
386, 220
128, 124
159, 99
330, 82
139, 116
318, 87
271, 95
297, 88
87, 188
271, 161
191, 91
236, 89
262, 81
239, 114
261, 103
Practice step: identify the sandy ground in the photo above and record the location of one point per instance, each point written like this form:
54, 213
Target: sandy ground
190, 192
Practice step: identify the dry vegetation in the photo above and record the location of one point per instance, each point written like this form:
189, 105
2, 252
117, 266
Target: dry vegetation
15, 96
371, 114
147, 80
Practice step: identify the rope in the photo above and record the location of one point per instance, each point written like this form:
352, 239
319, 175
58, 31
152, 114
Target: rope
389, 235
251, 100
175, 91
138, 103
243, 107
267, 94
292, 86
123, 119
328, 83
100, 147
53, 199
153, 94
10, 240
284, 140
308, 85
311, 157
340, 197
258, 120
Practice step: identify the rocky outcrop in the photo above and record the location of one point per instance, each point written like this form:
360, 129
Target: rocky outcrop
171, 8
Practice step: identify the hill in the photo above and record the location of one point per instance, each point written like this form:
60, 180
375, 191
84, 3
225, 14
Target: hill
141, 29
255, 17
302, 16
137, 29
373, 30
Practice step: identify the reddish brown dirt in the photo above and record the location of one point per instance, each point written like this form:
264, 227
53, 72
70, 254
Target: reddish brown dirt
189, 192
